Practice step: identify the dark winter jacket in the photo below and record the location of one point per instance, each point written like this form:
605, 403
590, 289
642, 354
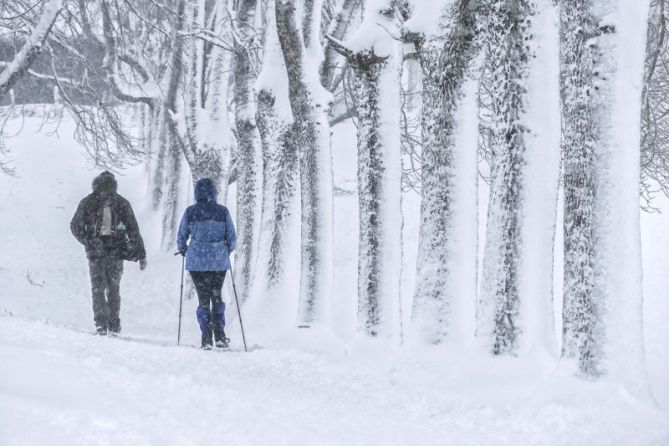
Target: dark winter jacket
125, 242
209, 227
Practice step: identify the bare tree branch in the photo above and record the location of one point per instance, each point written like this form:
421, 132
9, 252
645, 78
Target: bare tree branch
31, 48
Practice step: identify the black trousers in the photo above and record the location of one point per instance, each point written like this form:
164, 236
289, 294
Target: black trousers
105, 283
211, 310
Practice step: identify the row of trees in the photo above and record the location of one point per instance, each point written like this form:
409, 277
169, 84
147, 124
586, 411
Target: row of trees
247, 91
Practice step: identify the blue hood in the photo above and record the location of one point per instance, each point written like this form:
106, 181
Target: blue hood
205, 190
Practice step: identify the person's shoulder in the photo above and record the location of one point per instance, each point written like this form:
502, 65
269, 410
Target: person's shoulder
190, 209
223, 210
121, 199
87, 200
123, 203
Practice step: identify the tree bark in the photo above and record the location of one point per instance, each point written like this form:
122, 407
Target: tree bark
338, 28
498, 318
312, 137
581, 314
444, 74
248, 150
379, 192
601, 71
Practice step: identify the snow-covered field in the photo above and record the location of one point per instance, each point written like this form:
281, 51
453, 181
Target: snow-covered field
59, 385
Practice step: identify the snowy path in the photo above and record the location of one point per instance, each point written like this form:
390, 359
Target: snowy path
62, 387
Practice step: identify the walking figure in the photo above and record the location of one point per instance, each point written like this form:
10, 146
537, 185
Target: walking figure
207, 237
105, 224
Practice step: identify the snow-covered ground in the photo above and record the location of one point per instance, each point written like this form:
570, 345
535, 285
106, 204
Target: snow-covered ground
66, 387
60, 385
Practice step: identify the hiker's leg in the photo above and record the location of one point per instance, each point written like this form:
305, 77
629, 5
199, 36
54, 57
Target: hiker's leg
217, 305
114, 273
203, 313
96, 268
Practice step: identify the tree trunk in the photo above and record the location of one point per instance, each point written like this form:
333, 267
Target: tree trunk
379, 191
274, 296
338, 28
280, 177
218, 139
602, 313
498, 318
159, 143
248, 151
435, 315
171, 212
581, 309
312, 138
275, 291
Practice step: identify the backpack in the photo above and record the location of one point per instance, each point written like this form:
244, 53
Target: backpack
112, 230
106, 220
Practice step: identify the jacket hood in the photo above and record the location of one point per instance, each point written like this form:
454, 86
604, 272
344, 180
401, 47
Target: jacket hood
205, 190
105, 183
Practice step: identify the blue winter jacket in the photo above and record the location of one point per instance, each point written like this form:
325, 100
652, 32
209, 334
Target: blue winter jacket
209, 227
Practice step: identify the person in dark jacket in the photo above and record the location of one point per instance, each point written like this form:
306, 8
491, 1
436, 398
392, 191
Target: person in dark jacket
105, 224
208, 226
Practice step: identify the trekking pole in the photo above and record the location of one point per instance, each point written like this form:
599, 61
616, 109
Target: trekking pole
239, 313
181, 295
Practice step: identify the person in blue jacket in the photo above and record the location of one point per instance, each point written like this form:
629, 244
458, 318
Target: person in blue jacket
209, 228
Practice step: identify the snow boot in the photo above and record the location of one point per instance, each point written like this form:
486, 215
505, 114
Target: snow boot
206, 342
219, 322
222, 342
114, 328
204, 320
100, 330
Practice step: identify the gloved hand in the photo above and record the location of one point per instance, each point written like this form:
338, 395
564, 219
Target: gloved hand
142, 264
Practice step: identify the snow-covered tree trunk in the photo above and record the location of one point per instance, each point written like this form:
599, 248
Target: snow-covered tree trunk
204, 135
376, 67
602, 62
541, 181
191, 112
379, 193
309, 104
280, 180
498, 312
249, 188
438, 297
217, 137
171, 210
275, 289
580, 136
31, 48
169, 137
340, 24
159, 143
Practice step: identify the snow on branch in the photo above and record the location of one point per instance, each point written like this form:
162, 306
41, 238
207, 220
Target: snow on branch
339, 46
146, 91
44, 76
32, 47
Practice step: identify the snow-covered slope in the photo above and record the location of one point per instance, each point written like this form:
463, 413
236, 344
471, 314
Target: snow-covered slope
59, 385
63, 387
